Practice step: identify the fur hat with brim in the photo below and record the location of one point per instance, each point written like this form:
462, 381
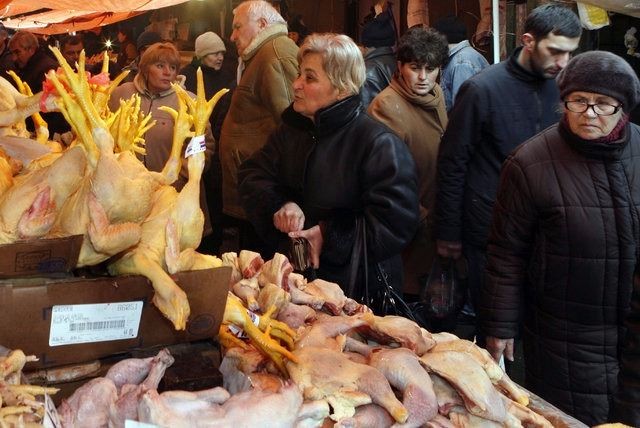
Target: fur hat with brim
602, 73
208, 43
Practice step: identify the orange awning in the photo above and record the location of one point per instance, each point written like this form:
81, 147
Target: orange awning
63, 16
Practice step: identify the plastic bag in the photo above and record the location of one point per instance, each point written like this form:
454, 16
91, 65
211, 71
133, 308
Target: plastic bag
441, 295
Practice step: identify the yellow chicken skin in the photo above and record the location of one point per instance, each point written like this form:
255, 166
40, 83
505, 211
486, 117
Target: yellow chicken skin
173, 229
236, 313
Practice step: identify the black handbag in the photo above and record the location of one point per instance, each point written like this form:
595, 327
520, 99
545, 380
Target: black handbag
372, 287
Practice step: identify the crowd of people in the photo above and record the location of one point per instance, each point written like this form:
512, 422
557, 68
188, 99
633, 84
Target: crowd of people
528, 170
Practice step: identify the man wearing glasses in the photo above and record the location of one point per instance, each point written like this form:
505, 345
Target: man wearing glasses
563, 251
493, 113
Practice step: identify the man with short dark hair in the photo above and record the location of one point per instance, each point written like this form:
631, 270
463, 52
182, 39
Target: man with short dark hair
70, 48
495, 111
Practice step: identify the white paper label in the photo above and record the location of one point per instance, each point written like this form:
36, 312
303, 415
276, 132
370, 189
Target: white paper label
238, 332
51, 418
196, 145
98, 322
128, 423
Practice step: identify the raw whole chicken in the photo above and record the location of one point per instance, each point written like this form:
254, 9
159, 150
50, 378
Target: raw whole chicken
402, 369
248, 409
173, 229
330, 375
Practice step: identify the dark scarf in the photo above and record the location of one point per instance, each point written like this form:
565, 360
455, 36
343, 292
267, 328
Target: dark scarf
608, 147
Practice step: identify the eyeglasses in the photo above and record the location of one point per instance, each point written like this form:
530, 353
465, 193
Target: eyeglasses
601, 109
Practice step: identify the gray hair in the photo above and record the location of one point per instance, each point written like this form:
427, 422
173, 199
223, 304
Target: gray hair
341, 59
257, 9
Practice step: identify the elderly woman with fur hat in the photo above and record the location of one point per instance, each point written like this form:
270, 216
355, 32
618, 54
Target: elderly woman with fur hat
564, 246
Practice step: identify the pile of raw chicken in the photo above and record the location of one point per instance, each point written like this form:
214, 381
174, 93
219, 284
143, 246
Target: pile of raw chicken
301, 354
129, 216
19, 403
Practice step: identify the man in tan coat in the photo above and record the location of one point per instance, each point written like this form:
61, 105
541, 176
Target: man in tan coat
413, 106
268, 66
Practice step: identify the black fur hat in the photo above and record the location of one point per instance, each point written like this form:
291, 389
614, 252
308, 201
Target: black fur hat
603, 73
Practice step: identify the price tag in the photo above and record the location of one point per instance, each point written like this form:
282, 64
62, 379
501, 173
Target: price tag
99, 322
196, 145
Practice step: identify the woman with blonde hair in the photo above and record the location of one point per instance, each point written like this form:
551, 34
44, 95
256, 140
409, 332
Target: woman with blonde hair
330, 166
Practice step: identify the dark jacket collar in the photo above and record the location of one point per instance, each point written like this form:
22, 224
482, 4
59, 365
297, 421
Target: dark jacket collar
595, 149
520, 72
328, 119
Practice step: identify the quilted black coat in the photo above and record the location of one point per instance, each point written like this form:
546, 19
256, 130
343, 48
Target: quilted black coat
562, 254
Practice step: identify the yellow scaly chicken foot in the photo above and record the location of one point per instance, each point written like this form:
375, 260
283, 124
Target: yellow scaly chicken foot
79, 84
181, 131
278, 329
14, 362
228, 340
73, 113
170, 299
128, 126
42, 129
235, 313
199, 107
102, 93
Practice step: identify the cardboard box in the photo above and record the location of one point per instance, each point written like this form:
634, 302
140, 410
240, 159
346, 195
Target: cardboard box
28, 306
39, 257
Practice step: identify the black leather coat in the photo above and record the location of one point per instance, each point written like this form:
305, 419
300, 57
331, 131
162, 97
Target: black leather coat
562, 256
380, 63
341, 165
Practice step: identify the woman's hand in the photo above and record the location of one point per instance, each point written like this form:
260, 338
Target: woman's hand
314, 236
498, 347
289, 218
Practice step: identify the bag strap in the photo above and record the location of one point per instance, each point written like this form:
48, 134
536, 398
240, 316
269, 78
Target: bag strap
356, 252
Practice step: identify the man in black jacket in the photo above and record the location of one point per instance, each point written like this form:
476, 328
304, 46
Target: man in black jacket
495, 111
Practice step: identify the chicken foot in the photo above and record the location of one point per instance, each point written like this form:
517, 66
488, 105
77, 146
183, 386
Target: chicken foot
235, 313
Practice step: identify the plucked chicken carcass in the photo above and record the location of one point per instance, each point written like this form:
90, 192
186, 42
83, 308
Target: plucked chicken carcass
472, 383
173, 229
91, 404
327, 374
101, 208
126, 406
402, 369
494, 371
246, 409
